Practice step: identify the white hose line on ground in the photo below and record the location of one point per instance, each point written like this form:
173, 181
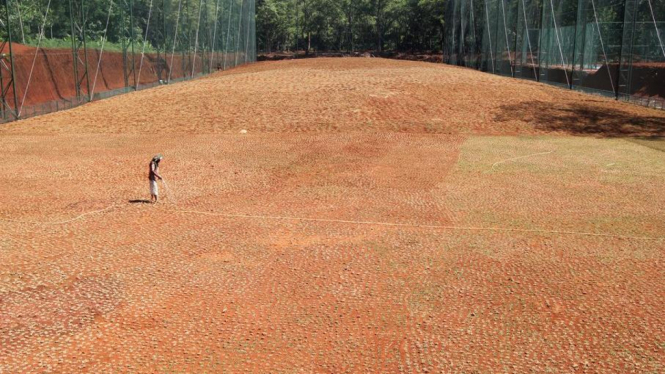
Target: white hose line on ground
519, 158
169, 192
370, 223
175, 39
602, 45
410, 225
63, 222
145, 41
34, 60
101, 52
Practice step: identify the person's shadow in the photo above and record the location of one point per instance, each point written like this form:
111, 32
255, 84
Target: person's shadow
139, 201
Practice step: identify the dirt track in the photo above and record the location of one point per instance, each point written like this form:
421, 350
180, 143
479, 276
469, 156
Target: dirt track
378, 216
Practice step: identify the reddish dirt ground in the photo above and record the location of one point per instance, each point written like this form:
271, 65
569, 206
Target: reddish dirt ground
376, 216
52, 76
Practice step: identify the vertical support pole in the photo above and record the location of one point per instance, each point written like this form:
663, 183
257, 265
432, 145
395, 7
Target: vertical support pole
298, 31
3, 98
214, 37
128, 37
460, 38
161, 61
249, 24
183, 57
517, 22
453, 58
474, 46
242, 5
85, 49
496, 38
625, 68
540, 41
580, 11
123, 46
75, 57
584, 31
133, 36
228, 32
77, 19
189, 39
7, 85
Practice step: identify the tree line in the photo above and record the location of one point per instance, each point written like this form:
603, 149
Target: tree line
321, 25
350, 25
161, 24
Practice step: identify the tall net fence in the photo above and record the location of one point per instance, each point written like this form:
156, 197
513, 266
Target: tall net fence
609, 47
57, 54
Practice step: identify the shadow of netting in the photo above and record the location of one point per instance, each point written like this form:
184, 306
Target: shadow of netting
588, 118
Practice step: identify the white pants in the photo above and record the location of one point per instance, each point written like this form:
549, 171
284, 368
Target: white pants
154, 188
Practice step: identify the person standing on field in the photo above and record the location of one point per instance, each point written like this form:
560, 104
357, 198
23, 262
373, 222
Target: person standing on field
153, 176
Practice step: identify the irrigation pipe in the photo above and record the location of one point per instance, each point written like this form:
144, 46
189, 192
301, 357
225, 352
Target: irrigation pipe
110, 207
34, 60
145, 41
169, 192
519, 158
602, 45
367, 223
196, 41
101, 52
409, 225
175, 39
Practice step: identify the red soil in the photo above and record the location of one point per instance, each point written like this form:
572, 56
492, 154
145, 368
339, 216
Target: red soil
53, 74
369, 220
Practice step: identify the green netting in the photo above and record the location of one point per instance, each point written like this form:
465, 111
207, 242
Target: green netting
67, 52
612, 47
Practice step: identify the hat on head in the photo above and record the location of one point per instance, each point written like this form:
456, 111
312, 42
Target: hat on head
158, 158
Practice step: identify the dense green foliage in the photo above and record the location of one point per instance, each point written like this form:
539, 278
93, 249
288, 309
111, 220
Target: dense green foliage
164, 24
349, 25
330, 25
